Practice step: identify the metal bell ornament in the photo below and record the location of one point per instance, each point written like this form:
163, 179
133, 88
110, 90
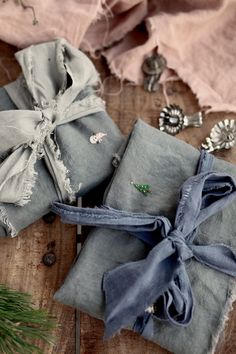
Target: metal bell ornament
152, 68
172, 120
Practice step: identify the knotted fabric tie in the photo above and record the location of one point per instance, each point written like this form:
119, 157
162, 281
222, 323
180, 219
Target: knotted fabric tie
133, 289
46, 95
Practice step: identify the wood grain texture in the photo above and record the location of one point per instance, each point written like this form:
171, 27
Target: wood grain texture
21, 258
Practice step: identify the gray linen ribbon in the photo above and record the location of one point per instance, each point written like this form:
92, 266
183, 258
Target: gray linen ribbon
53, 75
132, 288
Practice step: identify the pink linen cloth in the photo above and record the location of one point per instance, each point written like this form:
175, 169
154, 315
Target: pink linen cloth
196, 37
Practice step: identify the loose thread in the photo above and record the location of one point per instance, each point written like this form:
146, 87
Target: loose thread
102, 91
165, 94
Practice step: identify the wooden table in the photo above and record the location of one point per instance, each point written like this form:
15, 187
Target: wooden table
21, 258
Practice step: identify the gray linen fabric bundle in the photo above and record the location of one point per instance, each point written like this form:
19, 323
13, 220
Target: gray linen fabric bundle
47, 118
163, 162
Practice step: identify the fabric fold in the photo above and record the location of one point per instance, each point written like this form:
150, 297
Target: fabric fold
125, 32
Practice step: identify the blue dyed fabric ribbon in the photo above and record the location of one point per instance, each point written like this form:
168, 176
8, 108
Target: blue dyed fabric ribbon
161, 278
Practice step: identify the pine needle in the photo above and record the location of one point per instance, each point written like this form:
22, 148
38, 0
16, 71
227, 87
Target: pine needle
21, 324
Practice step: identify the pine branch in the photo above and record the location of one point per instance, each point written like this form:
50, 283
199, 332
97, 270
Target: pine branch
21, 324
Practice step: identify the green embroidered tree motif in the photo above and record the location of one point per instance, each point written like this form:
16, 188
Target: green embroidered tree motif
143, 188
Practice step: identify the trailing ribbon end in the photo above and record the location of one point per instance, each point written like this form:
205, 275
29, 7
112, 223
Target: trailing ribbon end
18, 176
144, 325
132, 287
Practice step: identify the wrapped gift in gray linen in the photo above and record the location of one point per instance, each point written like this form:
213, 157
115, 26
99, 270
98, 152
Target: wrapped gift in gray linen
118, 273
50, 121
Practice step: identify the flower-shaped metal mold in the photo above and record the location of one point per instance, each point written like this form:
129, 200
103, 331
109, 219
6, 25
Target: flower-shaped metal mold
172, 119
222, 136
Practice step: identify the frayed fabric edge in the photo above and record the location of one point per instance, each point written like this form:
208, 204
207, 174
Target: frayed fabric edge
197, 86
11, 231
67, 182
63, 169
226, 312
29, 183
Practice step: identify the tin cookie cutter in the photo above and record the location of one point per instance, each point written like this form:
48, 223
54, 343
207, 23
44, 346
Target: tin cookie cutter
222, 136
172, 119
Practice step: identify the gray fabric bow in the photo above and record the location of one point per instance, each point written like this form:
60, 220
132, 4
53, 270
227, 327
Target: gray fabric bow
131, 289
53, 75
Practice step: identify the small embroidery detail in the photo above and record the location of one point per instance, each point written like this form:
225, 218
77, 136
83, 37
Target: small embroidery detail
97, 138
143, 188
150, 309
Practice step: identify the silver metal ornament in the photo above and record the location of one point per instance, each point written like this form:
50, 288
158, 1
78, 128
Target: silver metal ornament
152, 68
154, 65
222, 136
172, 120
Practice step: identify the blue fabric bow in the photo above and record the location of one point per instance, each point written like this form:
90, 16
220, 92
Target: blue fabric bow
132, 288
